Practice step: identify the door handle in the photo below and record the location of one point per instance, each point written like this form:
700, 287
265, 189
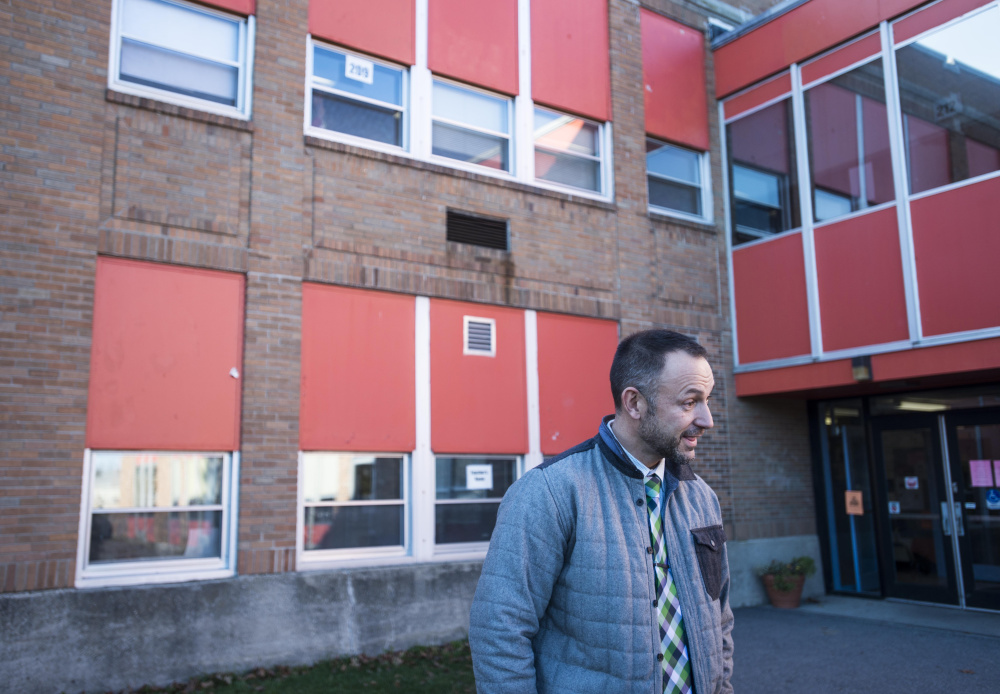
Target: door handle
959, 520
945, 519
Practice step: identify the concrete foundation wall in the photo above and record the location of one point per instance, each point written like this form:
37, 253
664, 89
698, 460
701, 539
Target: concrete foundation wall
746, 556
96, 640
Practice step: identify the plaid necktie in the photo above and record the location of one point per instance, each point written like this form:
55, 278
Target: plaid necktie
673, 644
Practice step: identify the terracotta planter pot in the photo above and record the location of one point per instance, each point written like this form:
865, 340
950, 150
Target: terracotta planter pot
784, 599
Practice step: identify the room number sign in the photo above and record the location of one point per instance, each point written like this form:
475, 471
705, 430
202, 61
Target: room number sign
359, 69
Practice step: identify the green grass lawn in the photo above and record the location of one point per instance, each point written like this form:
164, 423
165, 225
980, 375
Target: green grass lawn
422, 670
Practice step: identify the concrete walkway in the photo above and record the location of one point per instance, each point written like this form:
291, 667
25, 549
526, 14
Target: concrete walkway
855, 645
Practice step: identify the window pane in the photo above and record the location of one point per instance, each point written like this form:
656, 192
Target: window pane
469, 146
566, 133
762, 167
176, 72
464, 522
356, 118
329, 70
474, 478
667, 160
849, 142
181, 29
347, 477
116, 537
472, 108
345, 527
949, 86
161, 480
674, 196
568, 170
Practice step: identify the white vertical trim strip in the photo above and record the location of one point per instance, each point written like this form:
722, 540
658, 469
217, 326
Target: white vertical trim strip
806, 211
859, 117
232, 512
84, 530
246, 103
421, 85
534, 456
524, 109
300, 526
423, 458
897, 151
728, 221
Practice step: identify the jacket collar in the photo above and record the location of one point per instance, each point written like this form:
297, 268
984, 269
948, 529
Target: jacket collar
615, 454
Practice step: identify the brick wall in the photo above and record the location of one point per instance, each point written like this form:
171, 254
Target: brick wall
86, 171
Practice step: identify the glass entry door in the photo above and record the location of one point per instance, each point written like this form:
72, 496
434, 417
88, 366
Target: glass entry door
917, 535
974, 455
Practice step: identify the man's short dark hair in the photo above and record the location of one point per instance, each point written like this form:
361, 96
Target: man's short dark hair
640, 357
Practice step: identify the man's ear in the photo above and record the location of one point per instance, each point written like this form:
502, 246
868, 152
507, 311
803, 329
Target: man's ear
633, 403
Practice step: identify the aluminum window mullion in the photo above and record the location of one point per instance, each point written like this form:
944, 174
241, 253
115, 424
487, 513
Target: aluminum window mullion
194, 54
545, 148
159, 509
467, 501
354, 97
474, 128
369, 502
671, 179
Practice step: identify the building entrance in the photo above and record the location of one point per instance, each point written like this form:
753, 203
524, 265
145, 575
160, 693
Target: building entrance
911, 486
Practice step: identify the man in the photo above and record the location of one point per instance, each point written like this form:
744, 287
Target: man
607, 570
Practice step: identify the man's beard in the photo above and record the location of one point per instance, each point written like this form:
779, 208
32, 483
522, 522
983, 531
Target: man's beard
661, 444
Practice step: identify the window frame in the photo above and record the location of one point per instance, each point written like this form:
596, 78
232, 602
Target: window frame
345, 138
707, 215
604, 159
467, 550
244, 81
139, 572
470, 166
308, 559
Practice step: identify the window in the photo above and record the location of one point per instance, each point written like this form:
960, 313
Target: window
469, 491
762, 173
182, 53
949, 88
352, 502
357, 97
568, 151
675, 178
156, 516
848, 134
470, 126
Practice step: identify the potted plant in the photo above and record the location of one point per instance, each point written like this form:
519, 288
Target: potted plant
783, 581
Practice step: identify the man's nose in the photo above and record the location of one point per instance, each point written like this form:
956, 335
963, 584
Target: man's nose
703, 418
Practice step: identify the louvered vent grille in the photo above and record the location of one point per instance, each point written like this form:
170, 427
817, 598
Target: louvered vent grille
477, 231
479, 338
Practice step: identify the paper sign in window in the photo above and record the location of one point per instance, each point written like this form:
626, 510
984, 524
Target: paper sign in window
853, 503
359, 69
912, 482
479, 477
996, 470
982, 475
894, 508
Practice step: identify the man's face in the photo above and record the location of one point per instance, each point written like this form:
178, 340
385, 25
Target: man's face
677, 411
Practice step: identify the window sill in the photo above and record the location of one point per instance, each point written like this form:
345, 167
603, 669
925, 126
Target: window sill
157, 106
700, 223
147, 578
502, 182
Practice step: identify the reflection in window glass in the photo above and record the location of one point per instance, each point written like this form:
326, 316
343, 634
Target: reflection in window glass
762, 173
848, 133
352, 501
949, 85
353, 106
567, 150
468, 492
674, 176
470, 126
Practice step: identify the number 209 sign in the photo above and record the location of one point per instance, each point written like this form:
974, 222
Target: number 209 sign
359, 69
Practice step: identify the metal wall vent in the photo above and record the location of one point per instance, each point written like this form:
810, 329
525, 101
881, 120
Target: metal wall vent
479, 336
477, 231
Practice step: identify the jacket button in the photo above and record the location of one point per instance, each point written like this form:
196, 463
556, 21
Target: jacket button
649, 550
638, 502
654, 603
713, 543
659, 656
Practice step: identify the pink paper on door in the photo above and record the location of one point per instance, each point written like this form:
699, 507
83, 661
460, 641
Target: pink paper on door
996, 470
982, 473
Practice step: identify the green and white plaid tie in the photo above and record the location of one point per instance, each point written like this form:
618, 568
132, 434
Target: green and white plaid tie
673, 644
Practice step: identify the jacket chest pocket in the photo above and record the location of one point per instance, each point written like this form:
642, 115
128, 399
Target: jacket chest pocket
708, 543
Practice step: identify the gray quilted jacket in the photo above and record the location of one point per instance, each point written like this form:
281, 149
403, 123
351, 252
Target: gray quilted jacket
565, 601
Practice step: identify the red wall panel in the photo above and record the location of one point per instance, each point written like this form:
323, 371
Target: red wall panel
850, 54
164, 341
957, 246
475, 42
244, 7
860, 278
574, 364
478, 404
771, 89
385, 28
358, 370
570, 68
804, 31
932, 16
673, 75
791, 379
772, 315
